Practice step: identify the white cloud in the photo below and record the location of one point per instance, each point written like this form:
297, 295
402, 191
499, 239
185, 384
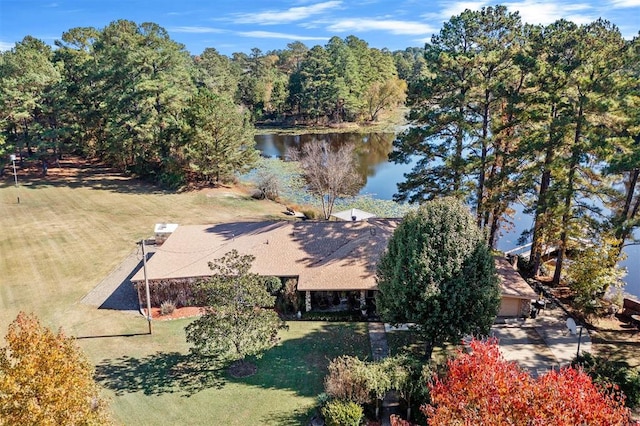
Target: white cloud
391, 26
4, 46
534, 11
456, 8
183, 13
195, 30
422, 41
269, 34
622, 4
273, 17
546, 11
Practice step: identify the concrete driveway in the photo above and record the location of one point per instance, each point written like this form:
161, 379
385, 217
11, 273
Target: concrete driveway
542, 343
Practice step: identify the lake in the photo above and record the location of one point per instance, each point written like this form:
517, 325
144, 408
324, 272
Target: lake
381, 176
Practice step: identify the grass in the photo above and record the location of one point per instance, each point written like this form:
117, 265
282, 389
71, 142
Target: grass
401, 341
156, 380
70, 229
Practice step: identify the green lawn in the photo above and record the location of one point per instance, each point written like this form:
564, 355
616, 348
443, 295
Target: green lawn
71, 229
65, 235
154, 380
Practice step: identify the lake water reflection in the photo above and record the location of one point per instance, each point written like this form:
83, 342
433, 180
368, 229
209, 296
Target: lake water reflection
381, 177
372, 149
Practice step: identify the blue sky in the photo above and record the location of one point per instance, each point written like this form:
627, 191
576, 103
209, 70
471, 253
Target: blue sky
240, 25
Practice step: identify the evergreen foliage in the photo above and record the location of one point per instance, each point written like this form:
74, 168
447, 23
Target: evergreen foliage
438, 275
220, 141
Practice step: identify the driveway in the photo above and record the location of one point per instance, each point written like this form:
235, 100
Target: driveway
541, 344
116, 291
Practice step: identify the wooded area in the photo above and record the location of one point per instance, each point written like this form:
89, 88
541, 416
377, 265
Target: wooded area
543, 115
137, 100
500, 112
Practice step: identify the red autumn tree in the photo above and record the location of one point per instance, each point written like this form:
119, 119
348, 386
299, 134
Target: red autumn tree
481, 387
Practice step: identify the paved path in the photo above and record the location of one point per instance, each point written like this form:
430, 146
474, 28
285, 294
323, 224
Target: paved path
378, 340
380, 350
116, 291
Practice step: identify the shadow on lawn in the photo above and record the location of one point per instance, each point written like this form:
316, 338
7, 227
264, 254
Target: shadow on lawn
295, 418
298, 365
164, 372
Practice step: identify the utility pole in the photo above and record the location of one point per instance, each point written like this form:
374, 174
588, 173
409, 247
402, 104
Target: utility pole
15, 175
146, 283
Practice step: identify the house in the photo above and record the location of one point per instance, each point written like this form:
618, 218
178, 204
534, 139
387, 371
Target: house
332, 261
516, 293
328, 259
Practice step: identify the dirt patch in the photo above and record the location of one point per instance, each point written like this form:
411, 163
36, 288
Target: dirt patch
184, 312
240, 369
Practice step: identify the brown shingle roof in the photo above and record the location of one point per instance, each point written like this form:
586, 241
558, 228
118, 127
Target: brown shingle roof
324, 255
511, 282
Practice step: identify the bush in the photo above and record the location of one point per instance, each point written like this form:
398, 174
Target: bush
171, 180
347, 380
291, 295
310, 214
606, 372
342, 413
339, 316
167, 307
268, 184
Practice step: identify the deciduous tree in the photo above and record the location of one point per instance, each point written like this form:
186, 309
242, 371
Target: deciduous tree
593, 271
438, 275
45, 379
481, 387
239, 319
383, 95
347, 380
330, 173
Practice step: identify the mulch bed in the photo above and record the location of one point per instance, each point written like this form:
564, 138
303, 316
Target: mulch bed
184, 312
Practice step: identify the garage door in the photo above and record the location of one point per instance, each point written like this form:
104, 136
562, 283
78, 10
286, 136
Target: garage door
509, 307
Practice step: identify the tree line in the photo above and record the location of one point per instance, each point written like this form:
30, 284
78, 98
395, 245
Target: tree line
136, 99
545, 115
500, 112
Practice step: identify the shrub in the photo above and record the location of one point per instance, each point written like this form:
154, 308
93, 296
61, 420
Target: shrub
291, 294
310, 214
273, 284
268, 184
171, 180
338, 316
607, 372
167, 307
342, 413
347, 380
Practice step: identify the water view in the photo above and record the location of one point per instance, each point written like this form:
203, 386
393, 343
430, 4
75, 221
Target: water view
381, 176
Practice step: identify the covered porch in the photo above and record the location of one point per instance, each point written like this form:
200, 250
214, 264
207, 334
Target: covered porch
340, 300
